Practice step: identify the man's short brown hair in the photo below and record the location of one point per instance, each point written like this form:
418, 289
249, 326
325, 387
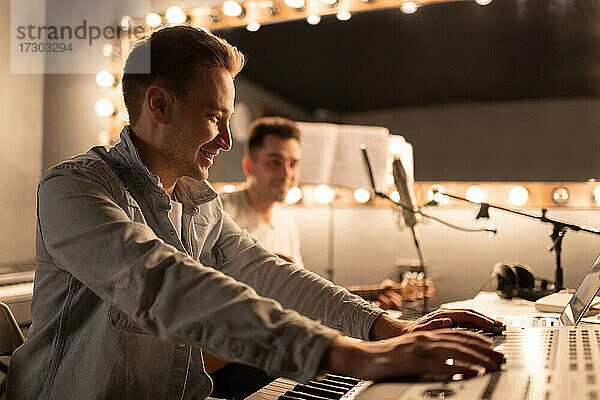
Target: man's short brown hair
174, 54
276, 126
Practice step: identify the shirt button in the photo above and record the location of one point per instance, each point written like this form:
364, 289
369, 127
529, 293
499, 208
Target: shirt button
172, 232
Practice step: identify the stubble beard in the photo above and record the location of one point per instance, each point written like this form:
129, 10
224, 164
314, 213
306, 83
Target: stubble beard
171, 147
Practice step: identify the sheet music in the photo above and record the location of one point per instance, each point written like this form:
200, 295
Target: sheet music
331, 154
318, 146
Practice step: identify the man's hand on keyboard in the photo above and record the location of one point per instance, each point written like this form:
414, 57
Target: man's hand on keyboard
386, 327
436, 354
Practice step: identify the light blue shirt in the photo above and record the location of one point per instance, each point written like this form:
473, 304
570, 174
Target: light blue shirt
122, 305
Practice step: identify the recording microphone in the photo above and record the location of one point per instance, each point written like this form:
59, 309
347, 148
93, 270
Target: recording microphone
407, 197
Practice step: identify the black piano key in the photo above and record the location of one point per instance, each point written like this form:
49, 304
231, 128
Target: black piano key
328, 394
327, 386
345, 379
341, 385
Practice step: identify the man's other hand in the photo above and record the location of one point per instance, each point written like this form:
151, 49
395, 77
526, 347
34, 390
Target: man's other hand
386, 327
439, 355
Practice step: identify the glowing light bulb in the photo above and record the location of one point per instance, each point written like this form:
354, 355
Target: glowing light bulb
324, 194
153, 20
483, 2
295, 3
362, 195
107, 50
439, 198
105, 79
313, 19
126, 22
560, 196
293, 196
104, 108
232, 8
476, 194
518, 195
175, 15
596, 195
408, 8
253, 26
394, 195
228, 188
343, 16
329, 2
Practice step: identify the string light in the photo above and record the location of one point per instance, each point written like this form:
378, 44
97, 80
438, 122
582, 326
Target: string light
105, 79
228, 188
324, 194
313, 19
293, 196
295, 3
476, 194
596, 195
126, 22
105, 108
362, 195
394, 195
232, 8
560, 196
107, 50
483, 2
438, 197
518, 195
329, 2
153, 20
175, 15
343, 15
253, 26
409, 7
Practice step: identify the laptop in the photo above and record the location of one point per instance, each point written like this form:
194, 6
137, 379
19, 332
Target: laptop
560, 362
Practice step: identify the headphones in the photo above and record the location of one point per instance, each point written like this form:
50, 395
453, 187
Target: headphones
516, 280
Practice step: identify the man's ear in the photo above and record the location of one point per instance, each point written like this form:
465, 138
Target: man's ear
247, 166
159, 103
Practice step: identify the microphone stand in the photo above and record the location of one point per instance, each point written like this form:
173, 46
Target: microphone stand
559, 228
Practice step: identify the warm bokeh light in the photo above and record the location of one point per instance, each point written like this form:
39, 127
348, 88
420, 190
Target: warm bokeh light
362, 195
105, 79
394, 195
560, 196
518, 195
253, 26
126, 22
232, 8
294, 195
408, 8
476, 194
228, 188
483, 2
295, 3
439, 198
324, 194
343, 16
107, 50
104, 108
596, 195
313, 19
175, 15
153, 20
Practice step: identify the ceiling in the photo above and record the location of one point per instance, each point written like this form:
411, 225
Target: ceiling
444, 53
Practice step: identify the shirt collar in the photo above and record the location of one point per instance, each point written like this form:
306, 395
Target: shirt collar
190, 192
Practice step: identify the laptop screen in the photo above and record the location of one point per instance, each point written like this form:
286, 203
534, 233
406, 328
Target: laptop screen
581, 300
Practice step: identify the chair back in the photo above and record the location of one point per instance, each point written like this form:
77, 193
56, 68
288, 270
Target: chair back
11, 336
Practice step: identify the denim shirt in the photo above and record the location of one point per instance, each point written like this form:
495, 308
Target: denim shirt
122, 306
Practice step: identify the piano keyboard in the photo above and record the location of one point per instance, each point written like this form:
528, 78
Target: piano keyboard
333, 387
16, 290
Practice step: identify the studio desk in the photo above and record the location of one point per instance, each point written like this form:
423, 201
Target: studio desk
543, 361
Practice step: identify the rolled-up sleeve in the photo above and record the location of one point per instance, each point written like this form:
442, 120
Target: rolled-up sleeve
294, 287
87, 234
